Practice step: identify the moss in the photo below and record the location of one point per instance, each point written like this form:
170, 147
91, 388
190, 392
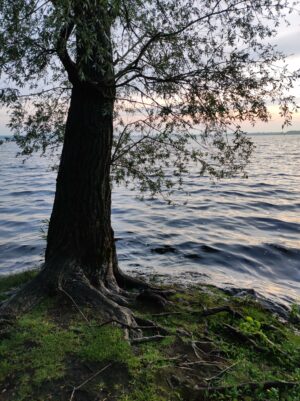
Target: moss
34, 352
46, 353
105, 343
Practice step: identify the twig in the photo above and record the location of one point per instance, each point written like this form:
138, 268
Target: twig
196, 349
172, 359
147, 339
88, 380
185, 368
170, 383
200, 362
73, 301
222, 372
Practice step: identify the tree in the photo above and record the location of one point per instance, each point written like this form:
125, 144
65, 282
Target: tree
128, 87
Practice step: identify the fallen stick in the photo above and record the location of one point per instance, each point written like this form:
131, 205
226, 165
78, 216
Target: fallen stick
222, 372
200, 362
88, 380
74, 303
147, 339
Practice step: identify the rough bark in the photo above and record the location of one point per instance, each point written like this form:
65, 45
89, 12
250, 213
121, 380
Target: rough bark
80, 224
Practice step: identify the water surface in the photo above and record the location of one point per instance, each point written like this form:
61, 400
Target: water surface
240, 232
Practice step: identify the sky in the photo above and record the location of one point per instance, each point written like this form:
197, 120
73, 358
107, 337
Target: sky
287, 41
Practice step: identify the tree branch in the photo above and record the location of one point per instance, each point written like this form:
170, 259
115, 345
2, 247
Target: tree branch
161, 35
63, 54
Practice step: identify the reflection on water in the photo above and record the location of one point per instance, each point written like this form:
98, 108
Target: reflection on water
233, 232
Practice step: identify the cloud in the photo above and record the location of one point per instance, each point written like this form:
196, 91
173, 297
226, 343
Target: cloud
289, 44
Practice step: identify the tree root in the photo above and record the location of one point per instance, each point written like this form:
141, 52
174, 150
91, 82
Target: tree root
128, 282
248, 338
203, 313
147, 291
84, 294
152, 325
153, 298
245, 338
68, 279
72, 283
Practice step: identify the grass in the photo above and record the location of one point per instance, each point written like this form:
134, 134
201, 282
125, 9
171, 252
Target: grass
51, 350
8, 283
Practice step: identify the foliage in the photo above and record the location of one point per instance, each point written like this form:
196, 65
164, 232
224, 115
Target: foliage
183, 75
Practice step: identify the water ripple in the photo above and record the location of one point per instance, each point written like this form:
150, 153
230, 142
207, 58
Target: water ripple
238, 232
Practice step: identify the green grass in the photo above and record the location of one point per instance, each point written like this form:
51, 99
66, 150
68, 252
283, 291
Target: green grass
34, 353
51, 349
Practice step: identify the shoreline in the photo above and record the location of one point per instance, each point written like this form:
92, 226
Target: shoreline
270, 303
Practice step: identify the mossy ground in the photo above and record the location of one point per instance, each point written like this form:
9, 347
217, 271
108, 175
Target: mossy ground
52, 350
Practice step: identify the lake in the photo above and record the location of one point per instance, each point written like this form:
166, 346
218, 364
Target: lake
236, 232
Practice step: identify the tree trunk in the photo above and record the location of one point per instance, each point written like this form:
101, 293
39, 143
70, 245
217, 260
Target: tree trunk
80, 233
80, 225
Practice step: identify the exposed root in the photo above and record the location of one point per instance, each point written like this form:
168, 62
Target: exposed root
202, 313
152, 298
249, 338
127, 282
74, 303
72, 282
244, 338
152, 325
114, 295
84, 294
69, 279
119, 282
